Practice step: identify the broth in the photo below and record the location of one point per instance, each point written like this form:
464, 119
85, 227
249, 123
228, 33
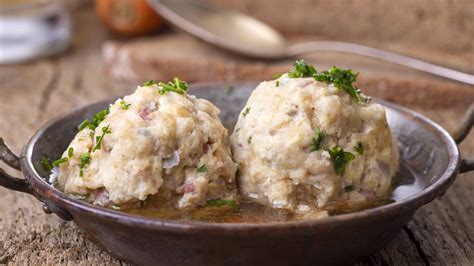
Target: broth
405, 185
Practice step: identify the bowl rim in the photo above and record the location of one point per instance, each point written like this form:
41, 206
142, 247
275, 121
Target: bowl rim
411, 203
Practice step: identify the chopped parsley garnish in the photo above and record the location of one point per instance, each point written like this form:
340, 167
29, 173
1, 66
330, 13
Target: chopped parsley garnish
124, 105
348, 188
176, 85
98, 145
302, 70
46, 164
341, 78
70, 152
202, 169
277, 83
84, 124
339, 158
246, 112
85, 159
249, 140
359, 148
222, 202
149, 83
60, 161
317, 139
229, 89
99, 117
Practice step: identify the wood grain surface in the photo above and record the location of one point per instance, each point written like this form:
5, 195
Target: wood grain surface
441, 232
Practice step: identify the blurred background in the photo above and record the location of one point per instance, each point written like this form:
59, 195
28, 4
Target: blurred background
135, 43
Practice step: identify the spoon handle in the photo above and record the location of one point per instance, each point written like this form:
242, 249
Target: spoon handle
358, 49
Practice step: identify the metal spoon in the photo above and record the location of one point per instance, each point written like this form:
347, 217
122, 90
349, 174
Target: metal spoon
245, 35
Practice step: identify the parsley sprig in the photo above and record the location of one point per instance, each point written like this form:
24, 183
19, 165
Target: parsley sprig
124, 105
176, 85
98, 139
341, 78
85, 159
302, 70
149, 83
246, 112
339, 158
96, 120
222, 203
202, 169
46, 164
359, 148
317, 139
60, 161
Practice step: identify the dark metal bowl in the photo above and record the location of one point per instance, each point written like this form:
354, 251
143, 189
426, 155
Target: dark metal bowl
427, 151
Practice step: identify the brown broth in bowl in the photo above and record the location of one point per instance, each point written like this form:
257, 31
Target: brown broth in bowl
405, 185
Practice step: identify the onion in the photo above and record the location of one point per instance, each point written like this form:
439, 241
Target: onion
172, 161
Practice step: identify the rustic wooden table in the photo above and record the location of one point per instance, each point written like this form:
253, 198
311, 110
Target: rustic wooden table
440, 233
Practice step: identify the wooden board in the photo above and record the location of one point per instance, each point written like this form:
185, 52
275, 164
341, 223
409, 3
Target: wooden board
32, 93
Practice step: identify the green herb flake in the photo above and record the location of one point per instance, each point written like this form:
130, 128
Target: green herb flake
70, 152
124, 105
249, 140
348, 188
229, 89
99, 139
99, 117
340, 159
149, 83
222, 202
302, 70
46, 164
83, 124
60, 161
176, 85
85, 159
202, 169
342, 79
246, 111
276, 76
277, 83
96, 120
317, 139
359, 148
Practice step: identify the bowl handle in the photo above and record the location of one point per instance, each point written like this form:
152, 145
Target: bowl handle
466, 124
12, 160
18, 184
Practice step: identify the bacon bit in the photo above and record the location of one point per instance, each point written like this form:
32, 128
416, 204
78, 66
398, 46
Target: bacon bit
369, 194
188, 188
205, 147
100, 197
239, 144
143, 113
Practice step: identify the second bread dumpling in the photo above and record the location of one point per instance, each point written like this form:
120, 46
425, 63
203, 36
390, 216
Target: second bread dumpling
308, 139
